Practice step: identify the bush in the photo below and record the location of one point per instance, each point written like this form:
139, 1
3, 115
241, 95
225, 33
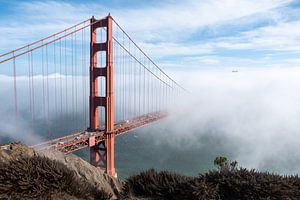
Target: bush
226, 183
40, 178
153, 184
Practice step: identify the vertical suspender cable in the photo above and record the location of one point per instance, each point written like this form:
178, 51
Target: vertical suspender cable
66, 81
144, 85
32, 87
75, 79
140, 92
130, 92
116, 94
134, 84
55, 84
60, 78
124, 80
29, 88
148, 92
15, 93
82, 79
72, 77
85, 73
129, 83
47, 83
43, 85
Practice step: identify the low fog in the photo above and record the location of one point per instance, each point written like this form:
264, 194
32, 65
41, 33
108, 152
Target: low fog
54, 112
251, 116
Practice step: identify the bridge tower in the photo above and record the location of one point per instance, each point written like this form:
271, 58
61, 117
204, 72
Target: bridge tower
103, 153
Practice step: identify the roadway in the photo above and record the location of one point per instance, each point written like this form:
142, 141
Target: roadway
83, 139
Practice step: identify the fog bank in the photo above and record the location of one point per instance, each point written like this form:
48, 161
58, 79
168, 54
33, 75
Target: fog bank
252, 115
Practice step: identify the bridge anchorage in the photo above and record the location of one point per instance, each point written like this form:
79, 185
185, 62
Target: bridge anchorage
127, 89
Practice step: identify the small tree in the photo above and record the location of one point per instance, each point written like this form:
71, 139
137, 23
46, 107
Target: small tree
222, 163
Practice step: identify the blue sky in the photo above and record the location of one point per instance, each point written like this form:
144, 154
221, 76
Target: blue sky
189, 34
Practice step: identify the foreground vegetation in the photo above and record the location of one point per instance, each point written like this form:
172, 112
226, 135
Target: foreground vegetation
227, 182
38, 177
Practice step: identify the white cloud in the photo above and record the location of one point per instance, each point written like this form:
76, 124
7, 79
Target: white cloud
161, 50
180, 19
284, 36
165, 22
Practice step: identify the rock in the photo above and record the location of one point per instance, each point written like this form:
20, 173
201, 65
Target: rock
83, 169
94, 176
14, 151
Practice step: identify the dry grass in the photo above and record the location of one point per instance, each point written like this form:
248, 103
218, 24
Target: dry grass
39, 177
233, 184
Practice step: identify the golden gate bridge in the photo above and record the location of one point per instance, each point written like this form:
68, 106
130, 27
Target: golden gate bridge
81, 87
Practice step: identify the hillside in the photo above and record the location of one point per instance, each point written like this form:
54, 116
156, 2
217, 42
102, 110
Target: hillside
240, 184
26, 174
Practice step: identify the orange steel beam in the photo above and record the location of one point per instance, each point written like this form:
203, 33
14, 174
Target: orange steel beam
94, 118
109, 107
94, 114
108, 101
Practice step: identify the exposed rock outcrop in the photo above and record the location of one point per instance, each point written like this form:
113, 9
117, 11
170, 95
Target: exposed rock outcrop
84, 170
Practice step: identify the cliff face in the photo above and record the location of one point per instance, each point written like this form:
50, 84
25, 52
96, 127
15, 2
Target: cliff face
27, 174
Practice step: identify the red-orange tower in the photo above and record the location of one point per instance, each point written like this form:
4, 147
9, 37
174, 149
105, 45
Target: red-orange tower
107, 101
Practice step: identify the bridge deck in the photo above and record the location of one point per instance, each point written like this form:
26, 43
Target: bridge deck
80, 140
